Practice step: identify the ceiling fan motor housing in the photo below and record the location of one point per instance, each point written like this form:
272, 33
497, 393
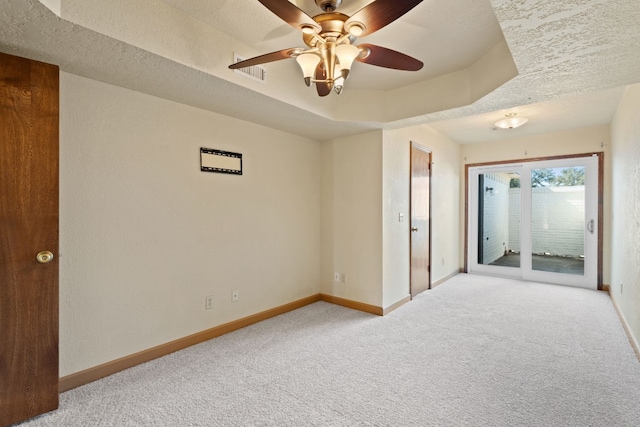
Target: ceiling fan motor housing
332, 26
328, 5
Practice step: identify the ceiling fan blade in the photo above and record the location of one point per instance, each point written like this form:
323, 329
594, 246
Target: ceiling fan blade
380, 13
290, 14
263, 59
388, 58
323, 88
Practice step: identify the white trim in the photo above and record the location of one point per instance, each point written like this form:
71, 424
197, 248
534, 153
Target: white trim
590, 278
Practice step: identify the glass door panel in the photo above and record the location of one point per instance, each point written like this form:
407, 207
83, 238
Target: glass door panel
558, 219
494, 227
499, 218
535, 220
561, 212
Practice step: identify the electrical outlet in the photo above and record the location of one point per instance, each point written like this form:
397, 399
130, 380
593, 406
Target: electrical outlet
336, 277
235, 296
621, 288
343, 278
442, 261
208, 304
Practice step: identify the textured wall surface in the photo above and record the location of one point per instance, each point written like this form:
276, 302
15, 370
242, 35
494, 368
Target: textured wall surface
625, 272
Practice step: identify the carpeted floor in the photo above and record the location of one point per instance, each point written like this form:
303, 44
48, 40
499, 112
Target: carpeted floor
475, 351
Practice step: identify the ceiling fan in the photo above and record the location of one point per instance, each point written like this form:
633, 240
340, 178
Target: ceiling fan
329, 36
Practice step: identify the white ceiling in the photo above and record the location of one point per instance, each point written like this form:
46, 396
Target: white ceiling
574, 58
468, 30
573, 112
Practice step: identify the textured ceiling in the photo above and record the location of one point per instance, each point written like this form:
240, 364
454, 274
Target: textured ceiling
468, 30
573, 57
574, 112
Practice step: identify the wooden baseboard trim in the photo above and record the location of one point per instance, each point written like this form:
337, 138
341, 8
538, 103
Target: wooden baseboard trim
86, 376
445, 278
400, 303
632, 340
355, 305
92, 374
606, 288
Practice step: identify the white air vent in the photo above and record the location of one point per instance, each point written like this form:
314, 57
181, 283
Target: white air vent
255, 72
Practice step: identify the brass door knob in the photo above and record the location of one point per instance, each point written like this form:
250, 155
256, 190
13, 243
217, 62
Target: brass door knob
44, 257
414, 228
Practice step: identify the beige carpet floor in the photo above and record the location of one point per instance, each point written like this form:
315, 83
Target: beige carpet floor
475, 351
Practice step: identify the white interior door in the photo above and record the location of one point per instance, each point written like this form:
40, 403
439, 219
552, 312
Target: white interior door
536, 221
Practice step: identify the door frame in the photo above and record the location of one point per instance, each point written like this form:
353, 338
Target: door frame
429, 152
600, 196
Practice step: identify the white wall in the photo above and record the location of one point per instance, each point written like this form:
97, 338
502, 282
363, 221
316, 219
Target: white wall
145, 236
396, 161
445, 207
625, 273
365, 186
586, 140
352, 217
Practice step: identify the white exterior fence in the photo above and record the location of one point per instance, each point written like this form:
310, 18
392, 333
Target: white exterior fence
557, 219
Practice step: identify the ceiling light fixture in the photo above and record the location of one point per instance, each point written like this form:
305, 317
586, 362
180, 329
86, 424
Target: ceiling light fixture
511, 121
329, 36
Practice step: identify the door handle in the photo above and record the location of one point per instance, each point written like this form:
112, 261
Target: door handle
44, 257
591, 226
414, 229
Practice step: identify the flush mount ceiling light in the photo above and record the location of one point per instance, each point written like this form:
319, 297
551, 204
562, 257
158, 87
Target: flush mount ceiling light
511, 121
329, 36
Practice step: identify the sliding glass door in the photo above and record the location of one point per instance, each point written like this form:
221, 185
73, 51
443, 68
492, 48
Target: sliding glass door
535, 221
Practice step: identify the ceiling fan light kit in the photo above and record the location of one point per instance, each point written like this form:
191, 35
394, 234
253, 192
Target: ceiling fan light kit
308, 63
511, 121
329, 36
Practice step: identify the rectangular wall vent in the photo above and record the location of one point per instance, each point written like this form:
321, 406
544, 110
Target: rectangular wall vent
255, 72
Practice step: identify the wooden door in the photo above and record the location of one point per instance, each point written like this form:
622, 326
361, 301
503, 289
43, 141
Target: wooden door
28, 225
420, 219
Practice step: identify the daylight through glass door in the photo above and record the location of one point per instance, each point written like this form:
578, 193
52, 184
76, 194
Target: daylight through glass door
557, 219
535, 220
499, 218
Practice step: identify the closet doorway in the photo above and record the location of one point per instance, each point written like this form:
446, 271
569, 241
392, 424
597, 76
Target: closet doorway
420, 237
29, 128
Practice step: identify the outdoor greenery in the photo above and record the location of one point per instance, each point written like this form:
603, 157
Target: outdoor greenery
570, 177
553, 178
